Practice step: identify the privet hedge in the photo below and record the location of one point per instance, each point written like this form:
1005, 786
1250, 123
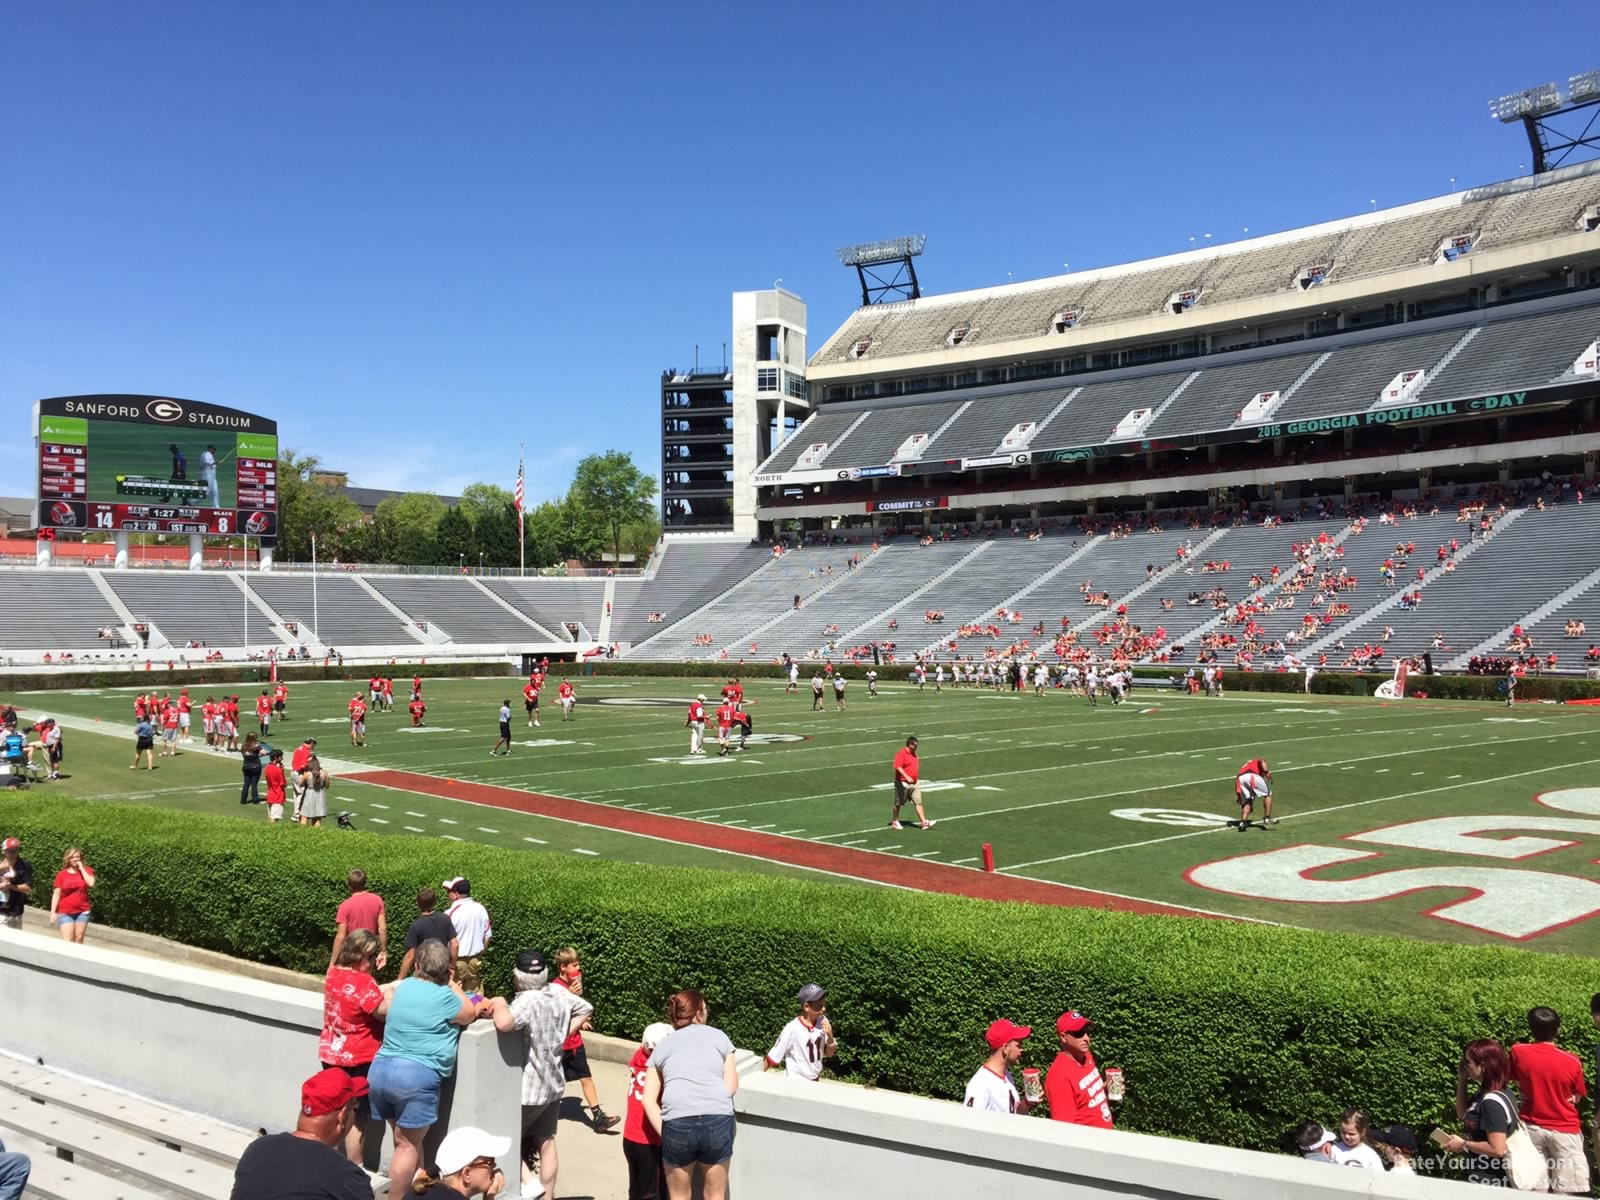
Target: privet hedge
1230, 1033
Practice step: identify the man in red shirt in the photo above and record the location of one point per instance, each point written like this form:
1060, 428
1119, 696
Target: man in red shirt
280, 701
530, 700
1550, 1081
358, 720
568, 698
418, 711
1073, 1087
1254, 782
184, 705
724, 725
361, 910
696, 724
388, 694
416, 687
907, 772
208, 719
264, 713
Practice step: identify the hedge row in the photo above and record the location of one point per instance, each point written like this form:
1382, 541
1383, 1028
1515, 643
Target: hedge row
110, 675
1229, 1032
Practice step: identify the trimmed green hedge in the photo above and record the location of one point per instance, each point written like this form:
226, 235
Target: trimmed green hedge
1229, 1032
1436, 687
88, 675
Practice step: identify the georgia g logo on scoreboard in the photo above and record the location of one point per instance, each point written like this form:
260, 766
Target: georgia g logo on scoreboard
163, 410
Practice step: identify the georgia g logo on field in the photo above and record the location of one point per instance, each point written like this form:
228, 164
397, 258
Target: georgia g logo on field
163, 410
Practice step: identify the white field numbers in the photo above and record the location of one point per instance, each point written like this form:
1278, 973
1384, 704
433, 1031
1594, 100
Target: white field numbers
1507, 903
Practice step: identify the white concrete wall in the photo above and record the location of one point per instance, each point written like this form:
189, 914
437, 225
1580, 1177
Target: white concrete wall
217, 1044
237, 1049
798, 1141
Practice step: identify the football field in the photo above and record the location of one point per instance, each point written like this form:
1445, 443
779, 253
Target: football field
1447, 821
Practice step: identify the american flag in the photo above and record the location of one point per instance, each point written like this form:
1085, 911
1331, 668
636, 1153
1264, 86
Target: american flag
517, 498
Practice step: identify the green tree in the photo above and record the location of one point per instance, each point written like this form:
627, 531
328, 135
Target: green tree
639, 538
454, 537
479, 499
612, 492
496, 537
407, 528
306, 507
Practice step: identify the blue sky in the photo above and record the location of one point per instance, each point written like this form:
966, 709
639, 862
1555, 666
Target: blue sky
420, 233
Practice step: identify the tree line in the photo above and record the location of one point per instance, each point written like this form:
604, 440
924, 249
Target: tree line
609, 508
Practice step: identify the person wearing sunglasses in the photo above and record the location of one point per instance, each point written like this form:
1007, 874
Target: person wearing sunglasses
465, 1166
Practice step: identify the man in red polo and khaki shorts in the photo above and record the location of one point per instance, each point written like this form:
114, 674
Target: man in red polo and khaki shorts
906, 784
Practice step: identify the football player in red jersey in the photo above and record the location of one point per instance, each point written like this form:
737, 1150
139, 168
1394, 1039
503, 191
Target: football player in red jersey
418, 711
568, 699
1254, 783
264, 713
724, 726
696, 724
358, 720
530, 700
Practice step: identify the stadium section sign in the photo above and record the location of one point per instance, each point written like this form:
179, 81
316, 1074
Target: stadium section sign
154, 464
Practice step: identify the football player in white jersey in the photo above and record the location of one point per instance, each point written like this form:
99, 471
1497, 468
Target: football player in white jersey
872, 681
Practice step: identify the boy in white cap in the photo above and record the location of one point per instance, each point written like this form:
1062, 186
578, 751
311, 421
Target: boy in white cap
806, 1040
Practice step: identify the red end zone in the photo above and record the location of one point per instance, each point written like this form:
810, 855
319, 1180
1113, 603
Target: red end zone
919, 875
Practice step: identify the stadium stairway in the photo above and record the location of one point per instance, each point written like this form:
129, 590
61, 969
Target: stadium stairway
1532, 621
102, 1144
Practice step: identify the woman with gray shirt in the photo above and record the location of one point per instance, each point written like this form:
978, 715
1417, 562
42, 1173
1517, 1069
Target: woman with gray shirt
688, 1097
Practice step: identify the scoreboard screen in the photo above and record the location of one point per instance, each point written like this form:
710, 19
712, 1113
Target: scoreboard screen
153, 464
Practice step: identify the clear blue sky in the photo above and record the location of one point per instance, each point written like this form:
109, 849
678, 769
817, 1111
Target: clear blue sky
419, 233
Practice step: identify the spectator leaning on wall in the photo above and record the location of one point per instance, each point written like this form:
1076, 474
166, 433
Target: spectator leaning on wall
16, 884
1550, 1081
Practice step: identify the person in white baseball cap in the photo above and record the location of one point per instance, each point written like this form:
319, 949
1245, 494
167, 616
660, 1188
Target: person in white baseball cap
466, 1166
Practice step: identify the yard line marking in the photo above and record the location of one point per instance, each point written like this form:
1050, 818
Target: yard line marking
1381, 771
1311, 813
449, 837
1160, 787
737, 821
1452, 777
375, 804
409, 813
590, 853
1414, 774
377, 820
928, 854
857, 842
891, 846
536, 841
787, 832
761, 827
413, 829
959, 861
448, 821
486, 829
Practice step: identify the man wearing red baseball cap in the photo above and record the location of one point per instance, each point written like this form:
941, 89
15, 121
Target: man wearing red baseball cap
1073, 1088
991, 1089
308, 1164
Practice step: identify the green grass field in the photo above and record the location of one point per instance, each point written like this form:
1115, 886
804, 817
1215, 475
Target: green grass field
1418, 819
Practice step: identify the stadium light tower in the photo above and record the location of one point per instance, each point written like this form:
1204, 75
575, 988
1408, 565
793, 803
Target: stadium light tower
1538, 110
886, 269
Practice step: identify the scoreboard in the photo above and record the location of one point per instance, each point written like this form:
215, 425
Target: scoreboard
153, 464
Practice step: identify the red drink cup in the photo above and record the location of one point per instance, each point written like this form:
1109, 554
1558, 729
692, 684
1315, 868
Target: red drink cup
1115, 1088
1032, 1084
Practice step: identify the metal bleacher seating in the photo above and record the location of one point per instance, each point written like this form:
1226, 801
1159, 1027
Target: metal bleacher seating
344, 613
1089, 416
1115, 565
885, 579
458, 609
1520, 352
553, 602
1352, 377
1213, 401
691, 572
881, 435
53, 610
1523, 565
977, 432
1509, 214
193, 607
820, 427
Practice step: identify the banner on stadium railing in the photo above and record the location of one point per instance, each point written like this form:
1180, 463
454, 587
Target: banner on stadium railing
920, 504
